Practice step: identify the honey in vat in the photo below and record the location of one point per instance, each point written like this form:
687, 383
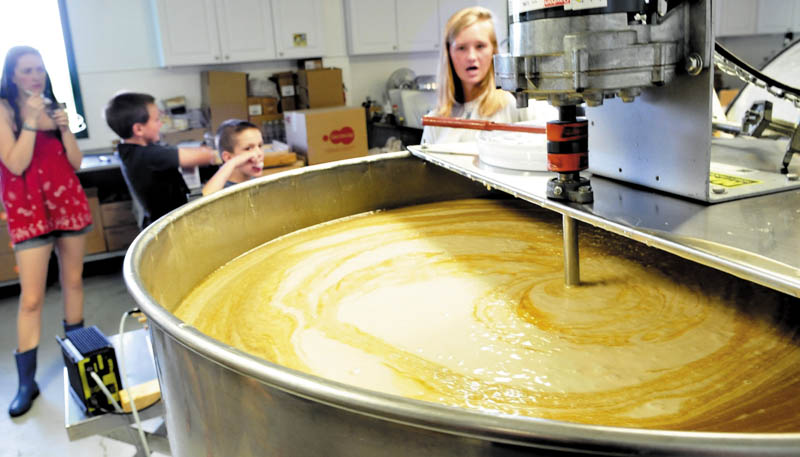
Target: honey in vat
463, 303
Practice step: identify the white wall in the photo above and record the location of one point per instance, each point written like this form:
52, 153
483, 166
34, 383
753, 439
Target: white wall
116, 48
757, 50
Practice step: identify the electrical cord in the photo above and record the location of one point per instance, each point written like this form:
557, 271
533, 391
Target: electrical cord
111, 400
123, 413
125, 377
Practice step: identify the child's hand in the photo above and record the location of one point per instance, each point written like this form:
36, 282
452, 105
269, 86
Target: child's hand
61, 119
247, 159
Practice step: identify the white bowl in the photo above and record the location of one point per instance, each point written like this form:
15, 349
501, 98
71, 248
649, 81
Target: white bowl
514, 150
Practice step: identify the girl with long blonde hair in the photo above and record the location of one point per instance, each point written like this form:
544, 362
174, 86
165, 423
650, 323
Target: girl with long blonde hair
466, 87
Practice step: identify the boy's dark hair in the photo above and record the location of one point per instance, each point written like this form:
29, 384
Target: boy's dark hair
226, 132
126, 109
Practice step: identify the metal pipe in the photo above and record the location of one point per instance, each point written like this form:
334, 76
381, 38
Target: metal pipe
572, 273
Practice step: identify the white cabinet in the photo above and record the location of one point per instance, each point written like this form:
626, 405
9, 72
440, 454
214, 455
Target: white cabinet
386, 26
735, 17
776, 16
298, 28
417, 25
371, 26
796, 18
499, 9
188, 31
214, 31
196, 32
245, 30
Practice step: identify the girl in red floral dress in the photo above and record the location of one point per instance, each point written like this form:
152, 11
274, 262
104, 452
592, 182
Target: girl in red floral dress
44, 203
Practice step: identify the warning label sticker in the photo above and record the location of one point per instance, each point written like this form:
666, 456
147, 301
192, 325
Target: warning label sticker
719, 179
523, 6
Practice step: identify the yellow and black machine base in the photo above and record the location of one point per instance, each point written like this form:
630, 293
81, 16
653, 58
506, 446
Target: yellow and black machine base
87, 351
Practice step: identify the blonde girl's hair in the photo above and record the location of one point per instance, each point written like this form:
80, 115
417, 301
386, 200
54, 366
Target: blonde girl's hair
449, 85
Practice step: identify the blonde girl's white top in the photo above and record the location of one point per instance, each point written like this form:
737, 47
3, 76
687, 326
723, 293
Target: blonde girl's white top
443, 135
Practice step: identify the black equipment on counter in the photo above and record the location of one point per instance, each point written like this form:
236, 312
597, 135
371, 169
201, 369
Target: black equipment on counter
87, 350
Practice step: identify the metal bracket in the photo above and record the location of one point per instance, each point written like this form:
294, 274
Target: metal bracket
758, 120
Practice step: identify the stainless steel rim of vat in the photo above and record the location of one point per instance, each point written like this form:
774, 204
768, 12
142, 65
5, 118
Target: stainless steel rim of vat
468, 428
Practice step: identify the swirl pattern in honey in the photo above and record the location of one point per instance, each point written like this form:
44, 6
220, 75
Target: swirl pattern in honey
463, 303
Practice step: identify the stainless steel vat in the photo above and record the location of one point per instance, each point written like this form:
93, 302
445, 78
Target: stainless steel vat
221, 401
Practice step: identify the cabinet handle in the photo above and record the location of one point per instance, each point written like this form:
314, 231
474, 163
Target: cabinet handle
394, 47
280, 54
216, 57
227, 57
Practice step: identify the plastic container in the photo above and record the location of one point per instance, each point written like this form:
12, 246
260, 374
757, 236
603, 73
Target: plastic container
514, 150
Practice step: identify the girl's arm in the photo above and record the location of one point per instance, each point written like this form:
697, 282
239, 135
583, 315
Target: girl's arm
16, 153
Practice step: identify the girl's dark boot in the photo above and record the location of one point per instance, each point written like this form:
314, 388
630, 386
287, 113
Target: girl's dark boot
28, 390
70, 327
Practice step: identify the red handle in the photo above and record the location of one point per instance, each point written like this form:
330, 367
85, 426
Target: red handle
475, 124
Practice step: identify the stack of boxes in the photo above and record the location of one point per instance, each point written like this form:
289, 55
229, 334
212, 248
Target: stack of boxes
95, 240
224, 96
8, 264
263, 109
119, 224
320, 88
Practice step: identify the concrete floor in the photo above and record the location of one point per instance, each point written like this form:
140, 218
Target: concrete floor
41, 432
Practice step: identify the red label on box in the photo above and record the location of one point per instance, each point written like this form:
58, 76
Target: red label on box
345, 135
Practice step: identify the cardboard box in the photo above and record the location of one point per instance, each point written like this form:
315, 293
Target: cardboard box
120, 237
272, 171
310, 64
286, 89
5, 240
224, 96
259, 106
285, 83
95, 242
174, 138
259, 120
8, 267
320, 88
117, 213
288, 103
327, 134
279, 158
726, 96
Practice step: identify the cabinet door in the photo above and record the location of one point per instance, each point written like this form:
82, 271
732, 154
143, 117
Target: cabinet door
188, 32
417, 25
449, 7
796, 20
775, 16
298, 28
736, 17
245, 30
371, 26
499, 9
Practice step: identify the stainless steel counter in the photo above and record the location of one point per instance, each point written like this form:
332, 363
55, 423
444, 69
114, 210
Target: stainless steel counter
756, 238
97, 162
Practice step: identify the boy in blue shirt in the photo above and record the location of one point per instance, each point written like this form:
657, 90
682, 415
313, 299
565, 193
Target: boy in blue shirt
240, 145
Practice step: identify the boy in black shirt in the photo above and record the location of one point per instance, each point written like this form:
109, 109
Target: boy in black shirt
150, 169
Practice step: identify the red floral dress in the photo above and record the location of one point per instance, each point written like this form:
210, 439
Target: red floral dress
47, 196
